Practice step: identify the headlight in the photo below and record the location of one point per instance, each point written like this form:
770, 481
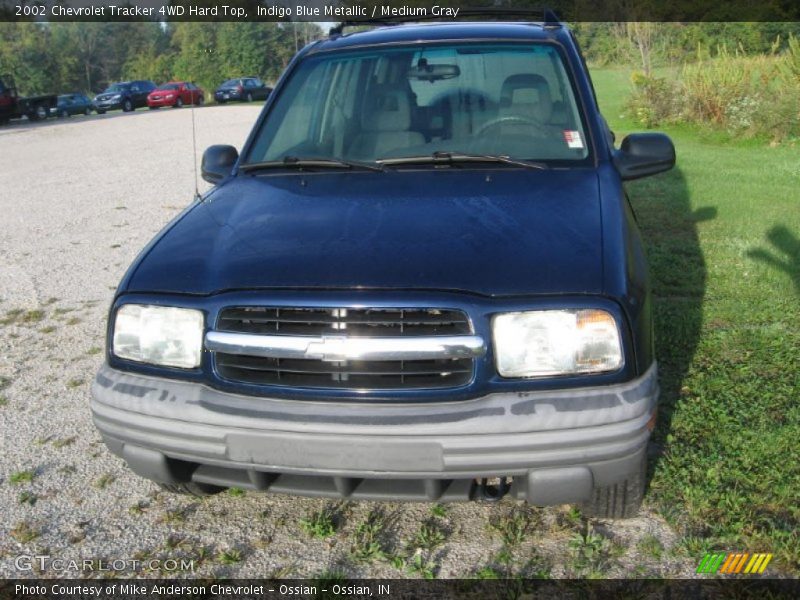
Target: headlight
556, 342
160, 335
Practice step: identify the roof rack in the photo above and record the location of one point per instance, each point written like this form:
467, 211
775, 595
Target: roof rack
547, 16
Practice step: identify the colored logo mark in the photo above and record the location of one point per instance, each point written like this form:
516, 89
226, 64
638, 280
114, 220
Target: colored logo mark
734, 562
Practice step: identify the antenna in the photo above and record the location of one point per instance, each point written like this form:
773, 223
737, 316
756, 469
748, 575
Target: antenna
194, 156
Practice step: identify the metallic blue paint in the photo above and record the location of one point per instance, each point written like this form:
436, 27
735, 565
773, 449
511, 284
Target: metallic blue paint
483, 240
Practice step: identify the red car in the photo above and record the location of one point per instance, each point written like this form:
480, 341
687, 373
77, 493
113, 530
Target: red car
175, 94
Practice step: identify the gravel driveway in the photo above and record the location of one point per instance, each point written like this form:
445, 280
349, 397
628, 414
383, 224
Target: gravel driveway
78, 200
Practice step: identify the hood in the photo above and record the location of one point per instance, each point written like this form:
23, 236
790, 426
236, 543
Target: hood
108, 95
499, 232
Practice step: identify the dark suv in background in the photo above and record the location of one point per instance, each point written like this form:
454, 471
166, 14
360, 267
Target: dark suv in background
127, 95
420, 280
243, 89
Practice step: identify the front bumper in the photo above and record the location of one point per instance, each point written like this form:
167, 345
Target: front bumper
107, 105
161, 102
558, 446
226, 96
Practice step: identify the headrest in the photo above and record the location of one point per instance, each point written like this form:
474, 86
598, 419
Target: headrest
387, 110
527, 93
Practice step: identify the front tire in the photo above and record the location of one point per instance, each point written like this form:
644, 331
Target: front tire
64, 114
199, 490
87, 111
178, 103
127, 106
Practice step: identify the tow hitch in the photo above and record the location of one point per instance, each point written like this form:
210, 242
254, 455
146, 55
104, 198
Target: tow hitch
494, 491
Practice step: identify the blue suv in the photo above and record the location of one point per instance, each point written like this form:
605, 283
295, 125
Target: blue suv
421, 279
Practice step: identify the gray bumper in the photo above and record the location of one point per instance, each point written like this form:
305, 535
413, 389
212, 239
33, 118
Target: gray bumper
556, 445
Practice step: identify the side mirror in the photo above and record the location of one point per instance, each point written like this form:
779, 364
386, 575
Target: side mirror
644, 154
217, 162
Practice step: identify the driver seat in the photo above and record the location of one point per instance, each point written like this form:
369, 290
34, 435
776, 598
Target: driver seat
526, 96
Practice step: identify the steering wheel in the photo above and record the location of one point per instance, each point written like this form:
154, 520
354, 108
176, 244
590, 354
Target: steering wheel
538, 126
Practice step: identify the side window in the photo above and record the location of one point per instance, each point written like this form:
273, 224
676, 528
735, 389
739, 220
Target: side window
258, 83
135, 87
250, 83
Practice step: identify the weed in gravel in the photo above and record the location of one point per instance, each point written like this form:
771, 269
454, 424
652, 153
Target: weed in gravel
650, 546
21, 477
94, 350
4, 382
116, 246
439, 510
320, 524
175, 541
49, 301
3, 400
231, 556
104, 481
64, 311
488, 573
174, 516
421, 566
73, 383
282, 572
48, 329
512, 526
140, 507
590, 552
27, 497
73, 321
32, 316
64, 442
11, 316
429, 536
366, 540
236, 492
24, 532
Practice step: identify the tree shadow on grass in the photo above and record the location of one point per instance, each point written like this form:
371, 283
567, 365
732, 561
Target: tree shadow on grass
678, 278
786, 243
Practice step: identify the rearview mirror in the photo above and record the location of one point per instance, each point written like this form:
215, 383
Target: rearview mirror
644, 154
428, 72
217, 162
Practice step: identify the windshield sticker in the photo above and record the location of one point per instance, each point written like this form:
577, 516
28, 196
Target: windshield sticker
573, 139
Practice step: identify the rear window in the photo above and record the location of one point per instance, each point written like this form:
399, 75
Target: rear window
514, 100
169, 86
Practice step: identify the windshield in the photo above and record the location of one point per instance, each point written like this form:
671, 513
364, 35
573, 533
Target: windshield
230, 83
510, 100
169, 86
117, 87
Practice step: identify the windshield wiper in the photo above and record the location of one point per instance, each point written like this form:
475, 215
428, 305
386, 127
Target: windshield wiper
446, 158
290, 162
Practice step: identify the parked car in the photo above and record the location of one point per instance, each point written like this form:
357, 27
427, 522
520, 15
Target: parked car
175, 94
243, 89
72, 104
14, 106
420, 280
127, 95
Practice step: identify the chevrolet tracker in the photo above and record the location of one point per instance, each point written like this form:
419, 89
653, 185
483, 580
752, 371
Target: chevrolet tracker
421, 279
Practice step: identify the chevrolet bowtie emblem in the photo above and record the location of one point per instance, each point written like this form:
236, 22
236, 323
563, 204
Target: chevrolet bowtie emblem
329, 349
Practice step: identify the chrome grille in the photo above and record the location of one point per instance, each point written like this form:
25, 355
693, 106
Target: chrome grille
257, 366
358, 322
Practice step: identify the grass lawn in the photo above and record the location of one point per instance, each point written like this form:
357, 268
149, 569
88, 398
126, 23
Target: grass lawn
723, 238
